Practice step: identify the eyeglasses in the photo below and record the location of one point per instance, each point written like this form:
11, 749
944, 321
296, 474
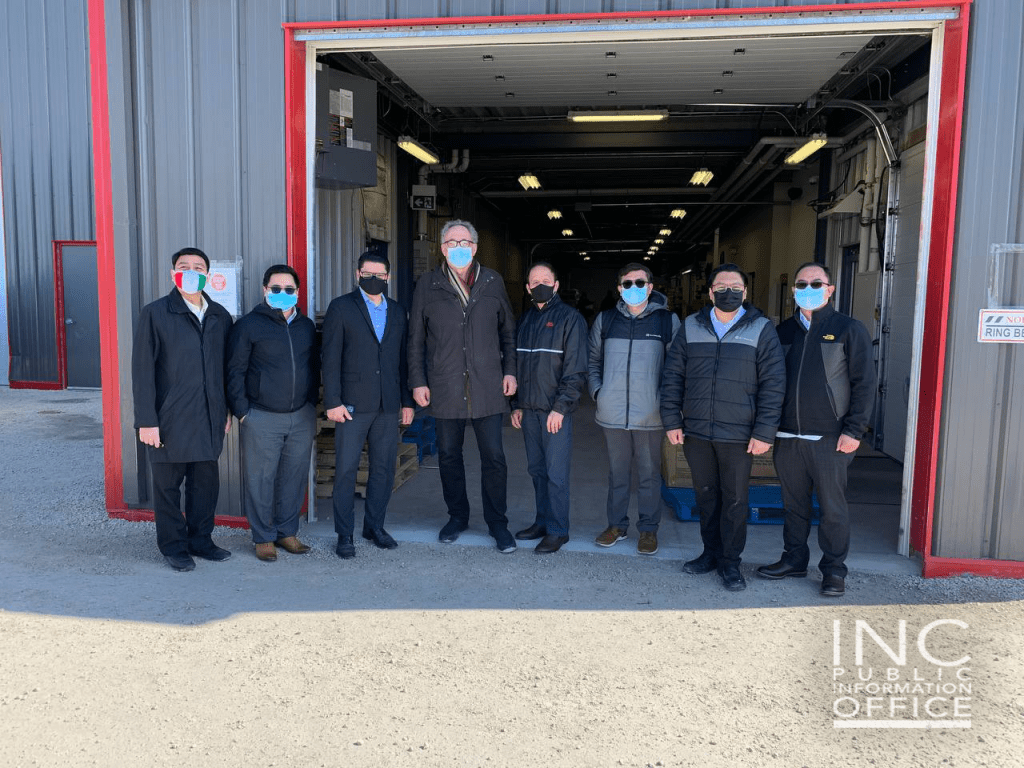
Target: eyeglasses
460, 243
289, 289
724, 288
627, 284
378, 275
815, 284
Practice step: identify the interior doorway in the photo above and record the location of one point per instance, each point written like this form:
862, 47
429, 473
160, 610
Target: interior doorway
77, 315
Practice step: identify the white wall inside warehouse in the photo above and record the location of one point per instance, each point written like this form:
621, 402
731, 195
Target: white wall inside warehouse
746, 240
793, 230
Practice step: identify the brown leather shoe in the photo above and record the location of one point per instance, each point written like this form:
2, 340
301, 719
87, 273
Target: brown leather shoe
610, 536
266, 552
293, 545
648, 543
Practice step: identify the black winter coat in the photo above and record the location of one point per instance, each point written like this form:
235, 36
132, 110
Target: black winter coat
273, 365
727, 390
178, 378
551, 354
831, 375
462, 355
358, 370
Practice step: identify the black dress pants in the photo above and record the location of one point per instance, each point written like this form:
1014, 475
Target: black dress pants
721, 480
177, 533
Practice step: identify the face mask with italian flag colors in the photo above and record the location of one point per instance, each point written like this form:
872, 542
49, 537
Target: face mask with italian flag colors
189, 281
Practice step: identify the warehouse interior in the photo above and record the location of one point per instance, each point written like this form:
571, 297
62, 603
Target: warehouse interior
697, 177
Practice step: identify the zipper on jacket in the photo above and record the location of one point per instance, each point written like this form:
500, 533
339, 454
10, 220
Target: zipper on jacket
629, 364
291, 349
800, 371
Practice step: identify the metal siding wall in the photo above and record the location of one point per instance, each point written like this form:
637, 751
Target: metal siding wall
979, 510
47, 165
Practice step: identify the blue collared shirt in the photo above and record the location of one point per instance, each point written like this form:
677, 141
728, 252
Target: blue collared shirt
722, 328
378, 313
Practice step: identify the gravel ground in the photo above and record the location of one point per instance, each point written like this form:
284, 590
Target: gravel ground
436, 655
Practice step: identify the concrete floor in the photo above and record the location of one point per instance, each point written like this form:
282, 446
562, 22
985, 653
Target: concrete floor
417, 509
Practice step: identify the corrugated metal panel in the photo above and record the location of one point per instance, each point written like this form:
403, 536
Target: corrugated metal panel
47, 165
980, 494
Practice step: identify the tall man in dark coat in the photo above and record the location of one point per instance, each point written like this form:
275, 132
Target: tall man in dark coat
181, 410
721, 395
273, 386
551, 353
462, 363
830, 392
366, 394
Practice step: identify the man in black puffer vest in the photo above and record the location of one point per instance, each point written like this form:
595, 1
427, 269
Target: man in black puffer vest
722, 392
829, 398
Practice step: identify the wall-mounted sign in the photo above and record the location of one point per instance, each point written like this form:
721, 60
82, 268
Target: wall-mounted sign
423, 198
222, 286
1004, 326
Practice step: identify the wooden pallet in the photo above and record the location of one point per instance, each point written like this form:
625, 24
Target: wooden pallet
406, 465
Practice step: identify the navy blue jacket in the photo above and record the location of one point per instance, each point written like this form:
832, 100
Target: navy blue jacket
726, 390
551, 354
273, 365
358, 370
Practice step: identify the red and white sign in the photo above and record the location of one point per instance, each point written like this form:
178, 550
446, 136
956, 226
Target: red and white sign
1001, 326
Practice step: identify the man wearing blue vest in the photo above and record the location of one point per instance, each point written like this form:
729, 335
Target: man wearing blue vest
366, 395
627, 352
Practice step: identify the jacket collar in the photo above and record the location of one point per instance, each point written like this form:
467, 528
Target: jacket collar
655, 301
275, 314
819, 315
751, 314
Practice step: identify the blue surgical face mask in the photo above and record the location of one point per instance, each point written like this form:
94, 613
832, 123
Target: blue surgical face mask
283, 301
634, 296
460, 256
810, 298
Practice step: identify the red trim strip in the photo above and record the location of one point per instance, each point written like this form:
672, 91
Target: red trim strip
35, 385
146, 516
940, 267
295, 150
945, 567
106, 264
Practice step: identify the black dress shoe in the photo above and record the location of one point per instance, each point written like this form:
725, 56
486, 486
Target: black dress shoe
533, 532
180, 562
781, 570
706, 563
732, 579
550, 544
451, 531
346, 550
212, 552
833, 586
380, 537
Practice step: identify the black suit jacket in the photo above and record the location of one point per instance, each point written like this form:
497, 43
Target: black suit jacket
358, 370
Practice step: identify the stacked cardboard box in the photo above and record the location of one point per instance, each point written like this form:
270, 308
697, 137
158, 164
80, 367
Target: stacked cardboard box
676, 472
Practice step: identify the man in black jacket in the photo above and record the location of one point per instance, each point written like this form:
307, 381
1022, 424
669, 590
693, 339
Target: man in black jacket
181, 410
830, 394
551, 349
721, 395
462, 363
273, 383
366, 394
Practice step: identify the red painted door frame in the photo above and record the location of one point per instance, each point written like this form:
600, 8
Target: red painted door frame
58, 300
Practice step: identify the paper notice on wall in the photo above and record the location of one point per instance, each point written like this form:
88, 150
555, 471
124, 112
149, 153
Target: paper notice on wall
334, 106
364, 146
223, 286
344, 103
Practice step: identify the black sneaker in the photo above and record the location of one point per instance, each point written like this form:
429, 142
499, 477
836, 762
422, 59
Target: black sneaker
504, 541
706, 563
211, 552
451, 531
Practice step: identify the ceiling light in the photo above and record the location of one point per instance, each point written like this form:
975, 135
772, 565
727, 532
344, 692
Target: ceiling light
702, 177
647, 258
665, 232
678, 213
567, 232
686, 272
586, 258
583, 253
529, 181
652, 249
417, 150
659, 241
814, 143
635, 116
554, 213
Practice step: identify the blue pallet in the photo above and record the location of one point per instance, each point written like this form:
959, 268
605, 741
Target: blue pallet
765, 504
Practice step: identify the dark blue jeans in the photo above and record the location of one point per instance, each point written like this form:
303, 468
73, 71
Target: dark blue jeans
721, 485
379, 431
451, 434
548, 458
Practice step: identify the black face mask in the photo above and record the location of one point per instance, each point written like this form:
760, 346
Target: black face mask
541, 294
372, 285
729, 300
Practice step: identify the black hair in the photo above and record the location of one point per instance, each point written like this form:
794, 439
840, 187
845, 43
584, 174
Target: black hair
190, 252
375, 257
633, 267
806, 264
727, 268
546, 266
281, 269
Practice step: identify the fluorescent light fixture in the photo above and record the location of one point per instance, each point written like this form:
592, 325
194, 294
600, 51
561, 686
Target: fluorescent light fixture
647, 258
586, 258
702, 177
529, 181
417, 150
659, 241
652, 249
635, 116
678, 213
554, 213
686, 272
583, 253
814, 143
665, 232
567, 232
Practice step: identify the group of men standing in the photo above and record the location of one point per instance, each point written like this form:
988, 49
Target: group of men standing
726, 384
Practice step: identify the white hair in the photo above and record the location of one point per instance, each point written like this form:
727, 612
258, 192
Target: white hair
473, 235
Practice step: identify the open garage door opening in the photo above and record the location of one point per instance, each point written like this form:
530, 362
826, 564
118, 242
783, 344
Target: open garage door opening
676, 147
